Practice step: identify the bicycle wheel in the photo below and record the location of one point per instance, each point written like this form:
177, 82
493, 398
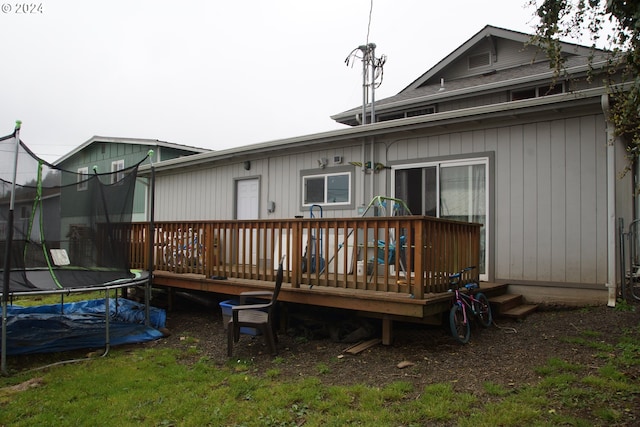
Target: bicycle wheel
483, 309
460, 329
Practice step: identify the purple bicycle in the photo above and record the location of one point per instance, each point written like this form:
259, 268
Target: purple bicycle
465, 304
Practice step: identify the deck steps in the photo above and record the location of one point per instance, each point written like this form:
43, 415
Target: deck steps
511, 306
520, 312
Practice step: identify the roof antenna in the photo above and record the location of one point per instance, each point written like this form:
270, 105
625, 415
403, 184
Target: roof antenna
367, 53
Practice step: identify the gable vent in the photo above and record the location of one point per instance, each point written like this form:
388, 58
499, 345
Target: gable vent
480, 60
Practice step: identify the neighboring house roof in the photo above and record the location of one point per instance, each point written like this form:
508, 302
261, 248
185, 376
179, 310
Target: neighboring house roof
134, 141
429, 88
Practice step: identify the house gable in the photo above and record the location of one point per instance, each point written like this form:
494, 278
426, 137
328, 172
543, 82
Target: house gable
101, 147
484, 70
489, 55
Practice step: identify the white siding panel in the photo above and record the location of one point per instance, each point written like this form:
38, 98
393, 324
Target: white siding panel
588, 207
550, 197
412, 148
593, 202
558, 193
466, 142
433, 146
573, 202
503, 203
543, 205
478, 140
455, 144
530, 202
516, 192
422, 148
444, 145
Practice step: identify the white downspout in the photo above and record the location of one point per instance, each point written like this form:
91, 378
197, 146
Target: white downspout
611, 204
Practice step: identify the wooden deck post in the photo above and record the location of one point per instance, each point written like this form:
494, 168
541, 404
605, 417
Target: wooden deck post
296, 254
387, 330
419, 267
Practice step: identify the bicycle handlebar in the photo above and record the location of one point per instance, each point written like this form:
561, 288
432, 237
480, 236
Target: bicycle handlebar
459, 273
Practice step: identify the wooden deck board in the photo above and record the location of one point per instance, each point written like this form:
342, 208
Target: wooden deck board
397, 305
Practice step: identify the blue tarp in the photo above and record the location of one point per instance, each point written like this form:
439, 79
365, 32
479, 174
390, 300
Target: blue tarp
78, 325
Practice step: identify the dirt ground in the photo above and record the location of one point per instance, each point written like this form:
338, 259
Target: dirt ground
506, 353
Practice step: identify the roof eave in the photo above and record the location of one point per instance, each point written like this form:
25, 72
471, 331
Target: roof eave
473, 90
463, 115
137, 141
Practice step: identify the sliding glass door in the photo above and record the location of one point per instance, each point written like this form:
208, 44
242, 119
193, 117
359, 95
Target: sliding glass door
450, 190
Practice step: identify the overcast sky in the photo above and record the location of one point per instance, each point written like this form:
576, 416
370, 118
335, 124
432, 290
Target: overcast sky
215, 74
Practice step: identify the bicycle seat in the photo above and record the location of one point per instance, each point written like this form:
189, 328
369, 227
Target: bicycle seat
470, 286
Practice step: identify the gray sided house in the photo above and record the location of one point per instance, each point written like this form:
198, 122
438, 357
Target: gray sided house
486, 135
109, 154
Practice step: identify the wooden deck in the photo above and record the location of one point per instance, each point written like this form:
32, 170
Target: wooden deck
367, 302
388, 306
393, 268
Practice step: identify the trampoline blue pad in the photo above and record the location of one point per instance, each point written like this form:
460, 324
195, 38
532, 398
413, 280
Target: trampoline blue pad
79, 325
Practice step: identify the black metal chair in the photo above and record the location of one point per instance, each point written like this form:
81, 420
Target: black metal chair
248, 314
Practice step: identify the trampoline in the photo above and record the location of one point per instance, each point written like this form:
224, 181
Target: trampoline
64, 231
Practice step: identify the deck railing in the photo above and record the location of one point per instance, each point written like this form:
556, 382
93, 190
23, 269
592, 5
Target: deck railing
409, 254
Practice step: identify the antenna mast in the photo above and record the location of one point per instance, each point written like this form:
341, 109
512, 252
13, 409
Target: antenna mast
371, 71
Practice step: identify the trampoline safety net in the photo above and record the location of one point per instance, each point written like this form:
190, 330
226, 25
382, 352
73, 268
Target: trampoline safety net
70, 229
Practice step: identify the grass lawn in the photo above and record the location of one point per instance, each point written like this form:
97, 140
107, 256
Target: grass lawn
158, 386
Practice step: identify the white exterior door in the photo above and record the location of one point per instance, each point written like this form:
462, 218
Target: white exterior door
247, 197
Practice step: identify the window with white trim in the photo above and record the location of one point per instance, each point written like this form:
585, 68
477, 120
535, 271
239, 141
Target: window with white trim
82, 179
117, 166
330, 189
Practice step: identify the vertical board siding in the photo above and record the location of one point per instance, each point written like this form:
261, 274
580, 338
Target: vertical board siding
516, 194
530, 197
543, 204
502, 189
548, 188
558, 201
574, 214
208, 193
588, 197
549, 195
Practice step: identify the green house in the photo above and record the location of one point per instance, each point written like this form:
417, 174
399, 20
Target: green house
107, 154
